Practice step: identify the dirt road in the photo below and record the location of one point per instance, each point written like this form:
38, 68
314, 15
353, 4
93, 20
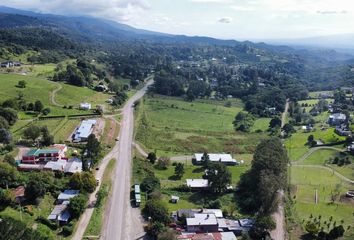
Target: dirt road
122, 221
53, 94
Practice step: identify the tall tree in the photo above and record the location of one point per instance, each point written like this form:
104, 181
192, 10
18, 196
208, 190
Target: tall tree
219, 177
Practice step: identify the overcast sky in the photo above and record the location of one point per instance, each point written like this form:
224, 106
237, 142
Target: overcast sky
226, 19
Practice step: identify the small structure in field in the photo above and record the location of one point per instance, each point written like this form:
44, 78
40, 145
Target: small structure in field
215, 157
85, 106
174, 199
197, 184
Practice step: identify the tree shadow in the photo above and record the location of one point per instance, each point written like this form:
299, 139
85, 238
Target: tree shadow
174, 178
198, 170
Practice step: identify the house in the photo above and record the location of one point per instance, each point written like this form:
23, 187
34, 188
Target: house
202, 222
343, 130
84, 130
85, 106
60, 213
174, 199
74, 165
67, 195
197, 184
55, 165
337, 119
307, 128
19, 193
191, 212
208, 236
214, 157
55, 153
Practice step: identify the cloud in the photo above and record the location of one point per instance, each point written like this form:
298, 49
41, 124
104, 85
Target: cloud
332, 12
225, 20
212, 1
120, 10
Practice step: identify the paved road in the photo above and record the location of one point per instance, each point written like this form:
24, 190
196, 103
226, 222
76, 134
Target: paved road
122, 222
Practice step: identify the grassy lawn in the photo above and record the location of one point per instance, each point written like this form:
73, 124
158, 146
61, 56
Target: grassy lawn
261, 124
173, 126
96, 221
296, 144
317, 94
306, 181
63, 131
320, 157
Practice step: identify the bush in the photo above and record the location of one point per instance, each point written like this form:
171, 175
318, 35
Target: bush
67, 230
48, 223
163, 163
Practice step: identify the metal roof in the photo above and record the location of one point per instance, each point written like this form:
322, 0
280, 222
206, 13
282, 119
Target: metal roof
68, 194
202, 219
197, 183
85, 129
215, 157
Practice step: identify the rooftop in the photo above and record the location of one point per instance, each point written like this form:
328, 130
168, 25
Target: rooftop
208, 236
36, 152
55, 165
197, 183
85, 129
68, 194
215, 157
74, 165
202, 219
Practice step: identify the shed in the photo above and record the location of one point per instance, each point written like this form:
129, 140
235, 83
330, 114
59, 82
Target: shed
174, 199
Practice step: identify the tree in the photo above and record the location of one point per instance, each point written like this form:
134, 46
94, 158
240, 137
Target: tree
38, 106
21, 84
163, 163
77, 205
93, 147
275, 123
75, 181
6, 197
219, 177
179, 170
4, 123
8, 175
157, 211
152, 157
169, 234
205, 160
88, 181
288, 129
32, 132
5, 136
38, 185
310, 139
47, 139
46, 111
261, 227
9, 114
10, 160
336, 232
150, 184
311, 228
243, 122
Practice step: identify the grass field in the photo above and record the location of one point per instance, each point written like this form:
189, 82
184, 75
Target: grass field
320, 157
296, 144
306, 181
96, 221
173, 126
317, 94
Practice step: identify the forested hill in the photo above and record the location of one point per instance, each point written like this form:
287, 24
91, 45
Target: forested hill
132, 52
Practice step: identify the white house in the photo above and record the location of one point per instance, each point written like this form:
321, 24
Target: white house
215, 157
197, 183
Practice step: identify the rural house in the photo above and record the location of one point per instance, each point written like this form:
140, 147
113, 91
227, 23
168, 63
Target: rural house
202, 222
197, 184
207, 236
84, 130
337, 119
55, 153
215, 157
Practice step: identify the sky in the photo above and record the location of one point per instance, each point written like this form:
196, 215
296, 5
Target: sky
225, 19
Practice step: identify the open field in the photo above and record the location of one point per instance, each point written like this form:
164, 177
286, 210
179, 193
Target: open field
296, 144
306, 182
173, 126
317, 94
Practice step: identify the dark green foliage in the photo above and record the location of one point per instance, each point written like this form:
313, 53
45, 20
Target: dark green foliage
258, 188
38, 184
167, 84
9, 114
4, 123
38, 106
47, 139
275, 123
150, 184
8, 175
243, 122
5, 136
21, 84
77, 205
92, 147
179, 170
219, 177
205, 160
46, 111
10, 160
120, 98
11, 229
152, 157
157, 211
84, 181
261, 227
32, 132
52, 225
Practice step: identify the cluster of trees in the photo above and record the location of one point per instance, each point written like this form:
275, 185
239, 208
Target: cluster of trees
85, 182
35, 132
259, 187
168, 84
243, 122
79, 73
321, 229
20, 104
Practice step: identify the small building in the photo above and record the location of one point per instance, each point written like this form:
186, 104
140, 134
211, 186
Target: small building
85, 106
174, 199
343, 131
191, 212
84, 130
29, 167
58, 166
202, 222
215, 157
307, 128
337, 119
197, 184
67, 195
60, 213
